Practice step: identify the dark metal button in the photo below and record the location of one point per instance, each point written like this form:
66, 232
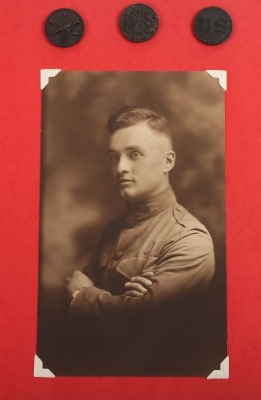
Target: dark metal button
212, 25
64, 27
139, 22
118, 255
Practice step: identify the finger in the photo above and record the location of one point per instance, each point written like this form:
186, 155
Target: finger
133, 293
77, 273
135, 286
147, 274
141, 280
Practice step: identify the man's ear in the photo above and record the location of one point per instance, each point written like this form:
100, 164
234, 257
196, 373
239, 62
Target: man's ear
169, 161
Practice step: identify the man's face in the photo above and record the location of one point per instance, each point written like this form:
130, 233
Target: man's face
138, 161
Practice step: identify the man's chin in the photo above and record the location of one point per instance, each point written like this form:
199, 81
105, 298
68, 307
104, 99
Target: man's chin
126, 193
130, 195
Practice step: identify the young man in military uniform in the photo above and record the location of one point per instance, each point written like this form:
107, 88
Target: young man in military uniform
138, 296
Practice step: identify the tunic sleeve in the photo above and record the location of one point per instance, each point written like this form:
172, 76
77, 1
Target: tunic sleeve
185, 266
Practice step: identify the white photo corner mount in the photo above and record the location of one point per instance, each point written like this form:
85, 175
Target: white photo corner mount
40, 371
45, 74
220, 75
223, 372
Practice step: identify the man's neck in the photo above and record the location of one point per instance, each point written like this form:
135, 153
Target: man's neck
153, 198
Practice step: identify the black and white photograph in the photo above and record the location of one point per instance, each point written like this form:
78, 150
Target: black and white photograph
132, 259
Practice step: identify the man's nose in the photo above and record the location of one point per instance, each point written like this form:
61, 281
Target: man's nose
123, 165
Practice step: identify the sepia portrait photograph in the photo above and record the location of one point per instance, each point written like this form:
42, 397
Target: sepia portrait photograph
132, 263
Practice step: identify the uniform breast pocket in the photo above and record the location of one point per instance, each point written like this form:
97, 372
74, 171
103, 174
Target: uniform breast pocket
133, 266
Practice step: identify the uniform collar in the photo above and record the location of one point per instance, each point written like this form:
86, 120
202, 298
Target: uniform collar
146, 209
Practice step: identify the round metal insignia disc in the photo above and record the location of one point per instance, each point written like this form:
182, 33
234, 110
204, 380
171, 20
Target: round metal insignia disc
64, 27
212, 25
139, 22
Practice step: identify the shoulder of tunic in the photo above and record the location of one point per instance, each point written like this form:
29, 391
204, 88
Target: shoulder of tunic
185, 219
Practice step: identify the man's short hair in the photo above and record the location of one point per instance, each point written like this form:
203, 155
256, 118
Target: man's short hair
132, 115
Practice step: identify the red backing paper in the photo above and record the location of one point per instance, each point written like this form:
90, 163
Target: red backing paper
24, 51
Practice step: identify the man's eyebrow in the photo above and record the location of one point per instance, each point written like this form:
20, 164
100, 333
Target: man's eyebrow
134, 147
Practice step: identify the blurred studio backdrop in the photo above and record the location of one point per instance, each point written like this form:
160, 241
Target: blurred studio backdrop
78, 196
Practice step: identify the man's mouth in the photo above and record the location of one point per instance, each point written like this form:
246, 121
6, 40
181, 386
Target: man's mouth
124, 182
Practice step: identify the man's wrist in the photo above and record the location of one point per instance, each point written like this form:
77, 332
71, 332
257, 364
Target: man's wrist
77, 292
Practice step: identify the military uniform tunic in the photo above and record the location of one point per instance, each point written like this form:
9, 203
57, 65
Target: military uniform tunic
160, 236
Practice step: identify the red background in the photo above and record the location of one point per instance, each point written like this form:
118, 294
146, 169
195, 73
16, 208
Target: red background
24, 51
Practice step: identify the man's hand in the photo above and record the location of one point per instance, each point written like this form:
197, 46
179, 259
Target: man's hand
78, 280
137, 286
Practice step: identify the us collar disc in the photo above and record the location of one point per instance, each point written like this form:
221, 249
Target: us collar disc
139, 23
64, 27
212, 25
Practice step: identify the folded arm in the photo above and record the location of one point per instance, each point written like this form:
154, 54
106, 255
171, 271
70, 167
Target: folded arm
185, 266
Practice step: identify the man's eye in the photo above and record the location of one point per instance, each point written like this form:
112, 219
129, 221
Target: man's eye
135, 154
